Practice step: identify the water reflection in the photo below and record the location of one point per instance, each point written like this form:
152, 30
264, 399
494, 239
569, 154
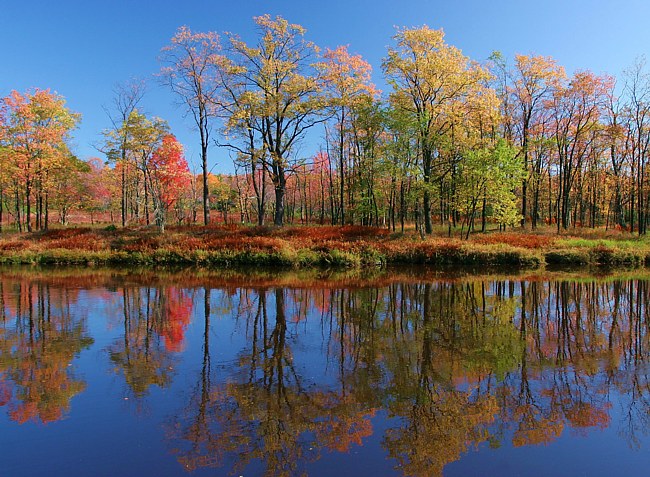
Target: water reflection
40, 334
427, 369
454, 364
154, 321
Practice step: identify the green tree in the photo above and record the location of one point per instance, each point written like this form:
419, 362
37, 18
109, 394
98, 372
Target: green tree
433, 82
490, 174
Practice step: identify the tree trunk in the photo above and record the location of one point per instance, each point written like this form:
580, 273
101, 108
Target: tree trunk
279, 205
640, 197
341, 168
123, 195
524, 182
426, 202
484, 215
47, 212
146, 196
402, 205
28, 211
19, 224
204, 165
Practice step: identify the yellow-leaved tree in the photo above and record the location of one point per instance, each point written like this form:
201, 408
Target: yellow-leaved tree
434, 83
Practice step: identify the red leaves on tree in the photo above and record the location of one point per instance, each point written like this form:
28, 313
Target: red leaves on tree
169, 169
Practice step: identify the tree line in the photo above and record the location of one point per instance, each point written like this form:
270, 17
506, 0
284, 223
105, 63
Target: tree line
454, 143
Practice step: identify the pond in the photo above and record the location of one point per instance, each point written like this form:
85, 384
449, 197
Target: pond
127, 372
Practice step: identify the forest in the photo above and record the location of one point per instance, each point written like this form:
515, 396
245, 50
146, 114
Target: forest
454, 146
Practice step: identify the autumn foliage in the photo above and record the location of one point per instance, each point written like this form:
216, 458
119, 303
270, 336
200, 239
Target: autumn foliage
453, 143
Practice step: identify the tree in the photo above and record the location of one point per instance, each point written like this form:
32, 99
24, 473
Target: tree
68, 187
191, 73
143, 137
148, 136
615, 132
169, 177
637, 87
534, 80
36, 127
490, 174
430, 81
577, 109
348, 85
126, 98
5, 164
223, 193
277, 93
99, 188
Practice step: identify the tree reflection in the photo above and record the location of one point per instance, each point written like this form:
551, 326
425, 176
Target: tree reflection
455, 364
440, 416
154, 321
444, 365
267, 412
39, 338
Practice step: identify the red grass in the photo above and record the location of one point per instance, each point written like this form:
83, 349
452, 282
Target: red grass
263, 239
516, 239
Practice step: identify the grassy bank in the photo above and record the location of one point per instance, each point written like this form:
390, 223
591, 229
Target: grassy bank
302, 247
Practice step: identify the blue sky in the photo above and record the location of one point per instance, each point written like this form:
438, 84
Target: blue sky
81, 49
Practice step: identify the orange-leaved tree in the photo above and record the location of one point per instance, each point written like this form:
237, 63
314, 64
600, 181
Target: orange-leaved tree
36, 127
169, 177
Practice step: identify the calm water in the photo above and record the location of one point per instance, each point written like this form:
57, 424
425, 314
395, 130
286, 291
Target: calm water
120, 374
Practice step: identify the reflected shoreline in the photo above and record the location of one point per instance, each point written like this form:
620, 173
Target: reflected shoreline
191, 276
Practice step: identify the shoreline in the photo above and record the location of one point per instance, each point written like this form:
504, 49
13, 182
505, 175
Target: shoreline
320, 247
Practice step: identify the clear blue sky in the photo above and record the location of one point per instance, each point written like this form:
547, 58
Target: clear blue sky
81, 49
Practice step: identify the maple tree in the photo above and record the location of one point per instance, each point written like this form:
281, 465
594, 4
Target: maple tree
168, 176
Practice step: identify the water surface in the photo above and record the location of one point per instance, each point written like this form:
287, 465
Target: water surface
403, 373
